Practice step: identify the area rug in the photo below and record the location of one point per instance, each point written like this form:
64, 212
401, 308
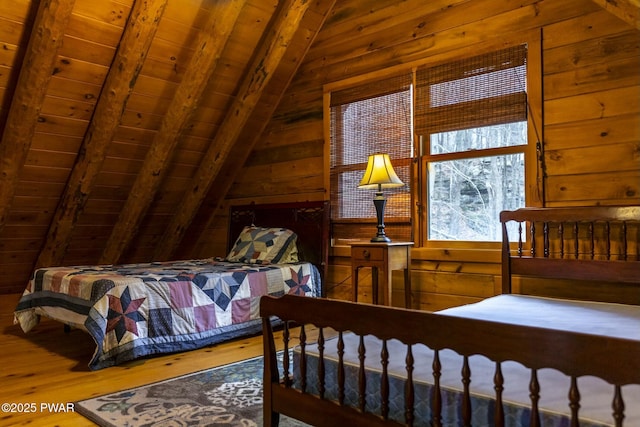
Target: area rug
230, 395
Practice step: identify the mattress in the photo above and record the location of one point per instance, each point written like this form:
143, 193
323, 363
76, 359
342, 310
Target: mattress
588, 317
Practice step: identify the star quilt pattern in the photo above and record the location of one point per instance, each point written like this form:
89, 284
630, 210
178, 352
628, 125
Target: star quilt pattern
135, 310
258, 245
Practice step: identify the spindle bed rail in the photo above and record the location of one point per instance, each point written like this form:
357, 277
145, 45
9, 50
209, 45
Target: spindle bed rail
563, 356
575, 354
599, 243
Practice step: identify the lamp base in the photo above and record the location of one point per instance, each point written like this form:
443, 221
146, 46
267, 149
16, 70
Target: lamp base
379, 201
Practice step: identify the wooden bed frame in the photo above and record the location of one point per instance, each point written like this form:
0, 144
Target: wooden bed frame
309, 220
582, 243
615, 360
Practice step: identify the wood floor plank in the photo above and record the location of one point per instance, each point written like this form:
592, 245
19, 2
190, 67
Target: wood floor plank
48, 365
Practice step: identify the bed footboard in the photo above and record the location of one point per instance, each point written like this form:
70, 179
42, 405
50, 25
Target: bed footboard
575, 354
596, 243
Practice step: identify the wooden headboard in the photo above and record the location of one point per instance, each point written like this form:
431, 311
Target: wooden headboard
579, 243
309, 220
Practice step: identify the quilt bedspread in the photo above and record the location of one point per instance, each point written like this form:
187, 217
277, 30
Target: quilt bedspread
132, 310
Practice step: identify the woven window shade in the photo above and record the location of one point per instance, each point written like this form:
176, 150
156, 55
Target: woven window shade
485, 90
371, 118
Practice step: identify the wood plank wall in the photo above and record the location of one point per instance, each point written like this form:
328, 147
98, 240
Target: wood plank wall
591, 124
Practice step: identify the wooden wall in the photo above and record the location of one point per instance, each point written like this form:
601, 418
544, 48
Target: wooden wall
591, 125
116, 116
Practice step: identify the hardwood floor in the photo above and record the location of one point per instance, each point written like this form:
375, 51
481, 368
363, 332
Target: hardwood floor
49, 366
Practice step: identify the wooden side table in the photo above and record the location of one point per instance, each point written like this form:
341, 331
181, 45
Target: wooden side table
384, 258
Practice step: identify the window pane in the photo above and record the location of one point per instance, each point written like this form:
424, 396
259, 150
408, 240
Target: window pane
466, 196
368, 119
504, 135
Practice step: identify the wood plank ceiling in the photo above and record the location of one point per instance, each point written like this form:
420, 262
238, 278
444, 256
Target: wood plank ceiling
115, 112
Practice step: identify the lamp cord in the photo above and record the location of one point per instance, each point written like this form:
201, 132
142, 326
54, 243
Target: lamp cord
539, 143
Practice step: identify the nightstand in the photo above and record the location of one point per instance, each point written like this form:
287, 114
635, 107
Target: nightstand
382, 258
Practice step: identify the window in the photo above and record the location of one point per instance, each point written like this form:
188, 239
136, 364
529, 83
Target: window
471, 118
367, 119
472, 159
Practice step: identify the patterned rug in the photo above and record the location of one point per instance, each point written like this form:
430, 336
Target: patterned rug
229, 395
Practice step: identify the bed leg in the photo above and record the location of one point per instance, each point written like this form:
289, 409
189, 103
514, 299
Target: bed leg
273, 420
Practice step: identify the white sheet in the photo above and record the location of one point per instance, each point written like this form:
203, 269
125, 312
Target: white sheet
588, 317
598, 318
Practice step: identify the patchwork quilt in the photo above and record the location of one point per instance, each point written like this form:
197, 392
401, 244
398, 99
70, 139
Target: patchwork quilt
133, 310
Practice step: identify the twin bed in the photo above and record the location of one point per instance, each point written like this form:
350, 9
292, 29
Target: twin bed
515, 359
135, 310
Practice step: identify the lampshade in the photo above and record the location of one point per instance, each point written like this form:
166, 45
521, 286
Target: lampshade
379, 173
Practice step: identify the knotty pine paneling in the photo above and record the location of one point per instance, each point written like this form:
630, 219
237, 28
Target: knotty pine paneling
593, 77
615, 46
459, 27
10, 32
56, 106
590, 59
168, 58
109, 11
86, 72
593, 105
299, 131
289, 184
44, 157
16, 10
579, 29
56, 174
40, 191
163, 90
105, 33
612, 188
310, 190
592, 160
73, 90
87, 51
589, 133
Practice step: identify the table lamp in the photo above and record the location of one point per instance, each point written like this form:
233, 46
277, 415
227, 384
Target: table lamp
379, 175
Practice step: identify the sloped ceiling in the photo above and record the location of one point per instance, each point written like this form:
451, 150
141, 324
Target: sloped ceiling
627, 10
116, 117
115, 112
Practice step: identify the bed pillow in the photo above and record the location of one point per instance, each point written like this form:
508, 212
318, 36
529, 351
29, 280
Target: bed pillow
259, 245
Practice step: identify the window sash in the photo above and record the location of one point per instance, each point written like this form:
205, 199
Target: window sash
370, 118
500, 81
490, 89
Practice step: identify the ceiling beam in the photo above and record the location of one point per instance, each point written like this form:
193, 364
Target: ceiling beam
197, 235
36, 71
125, 68
212, 41
627, 10
269, 55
